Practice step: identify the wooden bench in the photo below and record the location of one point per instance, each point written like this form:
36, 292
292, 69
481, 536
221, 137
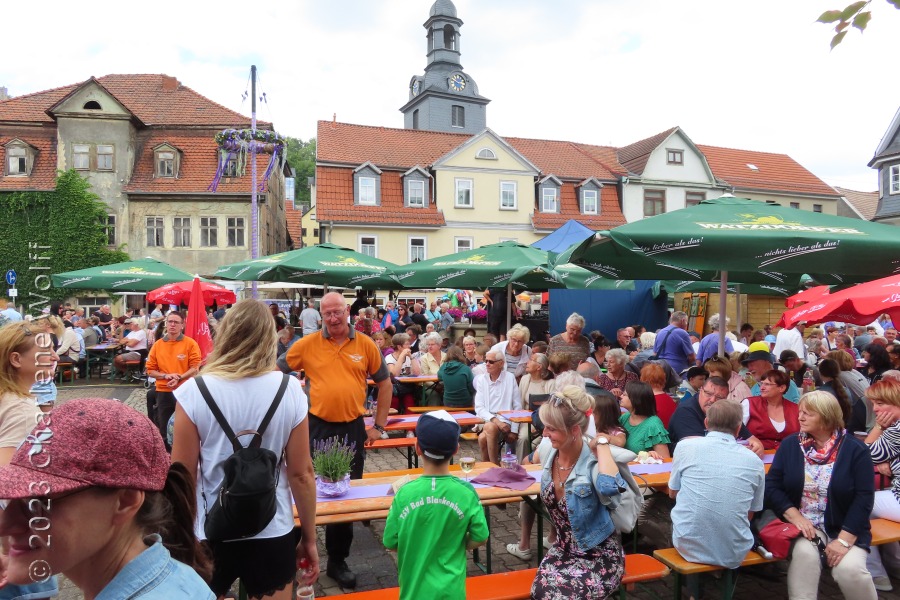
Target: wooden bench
399, 443
516, 585
424, 409
883, 532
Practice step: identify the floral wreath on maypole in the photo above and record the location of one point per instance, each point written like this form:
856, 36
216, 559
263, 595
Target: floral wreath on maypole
236, 144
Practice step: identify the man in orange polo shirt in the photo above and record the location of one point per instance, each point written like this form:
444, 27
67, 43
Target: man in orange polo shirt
337, 362
172, 360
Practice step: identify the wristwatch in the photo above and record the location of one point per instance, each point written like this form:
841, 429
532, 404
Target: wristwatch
843, 543
603, 440
378, 428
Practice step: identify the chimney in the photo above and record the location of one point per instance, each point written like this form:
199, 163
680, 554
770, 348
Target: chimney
4, 95
333, 120
169, 84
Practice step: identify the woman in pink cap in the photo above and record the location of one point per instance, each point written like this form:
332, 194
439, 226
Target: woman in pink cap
96, 474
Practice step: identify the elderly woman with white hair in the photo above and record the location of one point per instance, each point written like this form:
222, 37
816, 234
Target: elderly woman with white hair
571, 340
709, 345
516, 352
432, 358
616, 375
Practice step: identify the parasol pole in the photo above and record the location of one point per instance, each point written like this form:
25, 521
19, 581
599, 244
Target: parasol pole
509, 299
723, 301
254, 206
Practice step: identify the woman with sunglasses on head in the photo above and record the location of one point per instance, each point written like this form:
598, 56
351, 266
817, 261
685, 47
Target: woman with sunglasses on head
579, 487
26, 355
821, 481
120, 515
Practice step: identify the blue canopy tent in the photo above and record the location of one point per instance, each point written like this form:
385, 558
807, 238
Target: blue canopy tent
572, 232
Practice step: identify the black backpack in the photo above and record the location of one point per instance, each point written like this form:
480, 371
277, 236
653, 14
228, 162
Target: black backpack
245, 503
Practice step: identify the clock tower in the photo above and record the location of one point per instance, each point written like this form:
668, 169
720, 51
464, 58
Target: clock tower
445, 98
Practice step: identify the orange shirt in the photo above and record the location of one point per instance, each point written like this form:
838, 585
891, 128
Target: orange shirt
337, 373
173, 357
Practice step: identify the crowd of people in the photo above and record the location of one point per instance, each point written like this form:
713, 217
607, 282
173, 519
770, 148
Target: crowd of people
826, 401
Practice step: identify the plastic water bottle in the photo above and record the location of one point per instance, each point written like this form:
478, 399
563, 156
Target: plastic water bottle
682, 391
304, 592
509, 458
809, 384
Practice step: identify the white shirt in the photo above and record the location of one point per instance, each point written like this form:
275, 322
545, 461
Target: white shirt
789, 339
141, 336
493, 396
310, 320
244, 402
518, 368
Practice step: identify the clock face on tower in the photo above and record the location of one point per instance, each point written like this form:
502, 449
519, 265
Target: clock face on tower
457, 82
415, 88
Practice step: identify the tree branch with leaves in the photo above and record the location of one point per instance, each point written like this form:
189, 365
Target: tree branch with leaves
856, 15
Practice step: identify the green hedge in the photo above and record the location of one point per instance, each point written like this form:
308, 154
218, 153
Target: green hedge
52, 232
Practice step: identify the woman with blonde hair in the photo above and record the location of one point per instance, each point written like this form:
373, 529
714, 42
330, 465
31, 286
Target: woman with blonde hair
27, 354
821, 482
242, 380
515, 349
579, 487
719, 366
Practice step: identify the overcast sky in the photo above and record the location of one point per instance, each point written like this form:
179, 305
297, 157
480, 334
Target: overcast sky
753, 75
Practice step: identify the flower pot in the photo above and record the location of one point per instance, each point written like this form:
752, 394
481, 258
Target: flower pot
328, 488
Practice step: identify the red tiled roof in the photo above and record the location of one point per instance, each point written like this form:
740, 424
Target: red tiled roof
610, 215
563, 159
383, 146
43, 173
294, 218
334, 201
864, 202
197, 169
776, 172
634, 156
154, 99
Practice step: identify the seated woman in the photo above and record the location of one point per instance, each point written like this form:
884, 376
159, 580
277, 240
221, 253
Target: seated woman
587, 561
432, 357
821, 481
655, 376
645, 432
854, 408
469, 343
537, 380
769, 416
855, 381
719, 366
877, 362
884, 445
515, 349
601, 347
616, 376
400, 364
457, 378
116, 502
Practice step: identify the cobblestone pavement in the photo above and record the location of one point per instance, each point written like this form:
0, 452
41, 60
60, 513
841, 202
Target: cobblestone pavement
376, 568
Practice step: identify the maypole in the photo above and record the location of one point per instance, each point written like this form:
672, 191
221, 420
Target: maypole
234, 147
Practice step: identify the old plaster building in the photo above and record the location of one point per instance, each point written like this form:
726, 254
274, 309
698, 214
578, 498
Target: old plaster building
146, 145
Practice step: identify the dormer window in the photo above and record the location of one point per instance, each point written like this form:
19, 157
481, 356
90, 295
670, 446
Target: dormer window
486, 154
894, 179
16, 160
549, 200
415, 189
92, 105
367, 185
589, 204
165, 164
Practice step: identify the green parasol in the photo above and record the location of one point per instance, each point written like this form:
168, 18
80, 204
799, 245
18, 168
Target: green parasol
132, 276
322, 264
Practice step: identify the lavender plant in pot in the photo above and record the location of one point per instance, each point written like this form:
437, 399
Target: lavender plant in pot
332, 459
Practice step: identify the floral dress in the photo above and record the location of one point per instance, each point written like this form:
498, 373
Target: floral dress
569, 573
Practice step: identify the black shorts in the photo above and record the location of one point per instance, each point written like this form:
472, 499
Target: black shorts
264, 566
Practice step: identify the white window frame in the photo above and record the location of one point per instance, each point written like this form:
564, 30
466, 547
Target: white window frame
157, 225
374, 244
595, 194
81, 153
423, 246
409, 193
463, 239
551, 194
181, 229
462, 184
235, 227
16, 157
894, 179
486, 154
209, 232
368, 183
106, 154
165, 163
515, 195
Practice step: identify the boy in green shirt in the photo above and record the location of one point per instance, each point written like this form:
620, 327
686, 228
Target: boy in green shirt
435, 519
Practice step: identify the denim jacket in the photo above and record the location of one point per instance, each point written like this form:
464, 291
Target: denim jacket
588, 514
155, 574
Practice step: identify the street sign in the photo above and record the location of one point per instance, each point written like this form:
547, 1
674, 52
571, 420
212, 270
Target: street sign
12, 292
11, 277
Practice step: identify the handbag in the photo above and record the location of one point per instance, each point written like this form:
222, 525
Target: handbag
777, 537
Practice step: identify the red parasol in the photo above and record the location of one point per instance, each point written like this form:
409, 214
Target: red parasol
197, 325
861, 303
180, 293
809, 295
